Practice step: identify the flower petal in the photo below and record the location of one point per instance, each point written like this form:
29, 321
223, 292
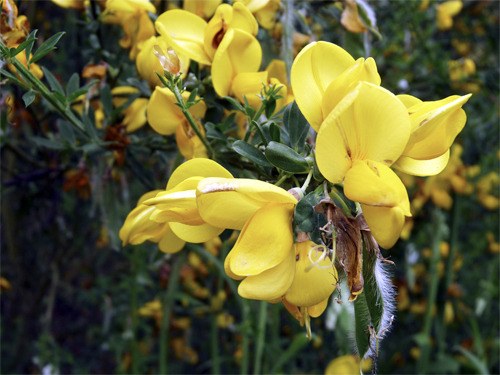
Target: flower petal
249, 85
314, 68
195, 233
385, 223
197, 167
375, 184
169, 242
362, 70
422, 167
270, 284
369, 123
162, 113
240, 199
264, 242
238, 52
318, 309
184, 31
436, 125
313, 283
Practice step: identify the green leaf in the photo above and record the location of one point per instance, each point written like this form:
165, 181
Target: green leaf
474, 361
66, 132
47, 46
306, 219
53, 82
28, 98
12, 77
107, 100
47, 143
274, 132
283, 157
296, 126
73, 84
236, 104
81, 91
251, 153
192, 98
29, 47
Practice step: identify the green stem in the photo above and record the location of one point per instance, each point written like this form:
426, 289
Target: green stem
261, 335
438, 224
38, 85
167, 306
306, 182
453, 242
281, 180
253, 121
191, 121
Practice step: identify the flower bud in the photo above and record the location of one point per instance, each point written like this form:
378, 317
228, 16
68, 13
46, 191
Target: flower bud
169, 62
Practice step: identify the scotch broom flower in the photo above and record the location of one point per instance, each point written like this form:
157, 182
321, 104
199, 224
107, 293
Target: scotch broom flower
166, 118
227, 42
263, 256
139, 227
177, 204
322, 74
361, 137
445, 13
434, 127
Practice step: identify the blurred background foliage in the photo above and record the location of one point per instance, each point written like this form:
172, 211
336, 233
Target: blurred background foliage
74, 301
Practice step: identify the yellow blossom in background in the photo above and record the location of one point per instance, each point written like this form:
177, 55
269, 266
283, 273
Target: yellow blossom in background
438, 188
149, 66
135, 112
250, 85
265, 11
133, 17
487, 190
445, 13
434, 127
166, 118
202, 8
227, 42
344, 365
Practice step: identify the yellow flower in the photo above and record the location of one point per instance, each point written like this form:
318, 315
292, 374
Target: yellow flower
344, 365
264, 11
263, 255
170, 217
434, 127
139, 227
445, 13
166, 118
322, 74
177, 205
148, 65
250, 85
315, 278
135, 112
486, 187
358, 141
133, 17
227, 42
204, 9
